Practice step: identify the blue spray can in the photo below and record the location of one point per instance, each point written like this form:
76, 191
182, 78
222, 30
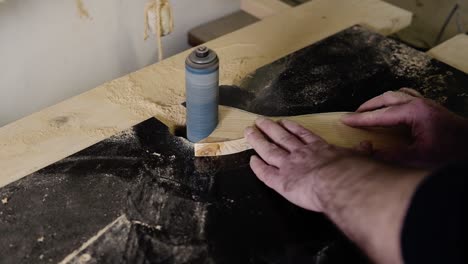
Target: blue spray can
202, 92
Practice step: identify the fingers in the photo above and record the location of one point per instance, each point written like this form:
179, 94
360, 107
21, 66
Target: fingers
386, 99
390, 116
411, 92
300, 132
278, 134
264, 172
269, 152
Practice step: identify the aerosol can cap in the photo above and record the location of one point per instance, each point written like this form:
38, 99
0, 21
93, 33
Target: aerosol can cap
202, 57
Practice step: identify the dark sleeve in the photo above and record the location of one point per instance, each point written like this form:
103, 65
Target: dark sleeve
435, 226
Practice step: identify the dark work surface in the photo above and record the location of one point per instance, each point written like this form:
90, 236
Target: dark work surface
343, 71
152, 202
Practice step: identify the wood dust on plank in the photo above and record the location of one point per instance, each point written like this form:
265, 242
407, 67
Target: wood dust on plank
167, 107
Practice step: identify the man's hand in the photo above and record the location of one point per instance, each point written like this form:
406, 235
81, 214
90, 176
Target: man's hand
366, 199
439, 136
292, 162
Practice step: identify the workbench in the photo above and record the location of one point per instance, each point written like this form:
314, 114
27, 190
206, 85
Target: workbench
165, 206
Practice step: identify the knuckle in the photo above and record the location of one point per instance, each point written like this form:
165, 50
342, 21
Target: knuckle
277, 154
388, 94
421, 106
301, 154
305, 133
419, 102
264, 173
286, 138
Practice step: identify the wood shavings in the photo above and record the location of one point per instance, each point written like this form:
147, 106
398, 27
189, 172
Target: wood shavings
5, 200
82, 11
158, 20
169, 111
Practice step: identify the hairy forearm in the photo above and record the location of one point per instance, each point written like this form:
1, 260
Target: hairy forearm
368, 201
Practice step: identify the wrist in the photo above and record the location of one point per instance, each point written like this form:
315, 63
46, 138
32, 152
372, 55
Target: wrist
335, 182
368, 200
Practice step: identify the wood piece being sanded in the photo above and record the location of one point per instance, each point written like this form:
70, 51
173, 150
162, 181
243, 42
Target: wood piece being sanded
228, 137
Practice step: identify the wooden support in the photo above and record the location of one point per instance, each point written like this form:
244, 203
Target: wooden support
454, 52
228, 138
263, 8
54, 133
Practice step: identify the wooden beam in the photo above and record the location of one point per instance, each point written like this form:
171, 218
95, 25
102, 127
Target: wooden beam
263, 8
453, 52
56, 132
228, 138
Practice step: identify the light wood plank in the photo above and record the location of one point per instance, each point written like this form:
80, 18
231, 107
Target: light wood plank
50, 135
263, 8
453, 52
228, 138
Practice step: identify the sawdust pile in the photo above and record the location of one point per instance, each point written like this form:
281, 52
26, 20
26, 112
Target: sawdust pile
416, 65
133, 97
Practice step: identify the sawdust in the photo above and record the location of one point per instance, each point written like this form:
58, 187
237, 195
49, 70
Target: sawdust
167, 109
411, 62
236, 65
414, 64
82, 11
84, 258
123, 136
316, 93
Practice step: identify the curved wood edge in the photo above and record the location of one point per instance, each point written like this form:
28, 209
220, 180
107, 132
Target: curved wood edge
328, 126
221, 148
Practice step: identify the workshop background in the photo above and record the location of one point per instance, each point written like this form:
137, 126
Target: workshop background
50, 51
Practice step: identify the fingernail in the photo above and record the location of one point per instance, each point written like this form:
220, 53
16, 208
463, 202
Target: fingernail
285, 121
248, 130
346, 117
260, 120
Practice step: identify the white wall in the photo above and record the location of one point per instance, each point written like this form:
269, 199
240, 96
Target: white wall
48, 53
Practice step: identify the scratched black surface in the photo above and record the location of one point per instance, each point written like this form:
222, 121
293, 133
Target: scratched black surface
161, 205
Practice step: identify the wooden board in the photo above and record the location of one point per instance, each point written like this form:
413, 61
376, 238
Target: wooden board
263, 8
454, 52
228, 138
158, 90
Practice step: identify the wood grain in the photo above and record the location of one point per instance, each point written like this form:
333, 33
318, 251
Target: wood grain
263, 8
228, 137
54, 133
